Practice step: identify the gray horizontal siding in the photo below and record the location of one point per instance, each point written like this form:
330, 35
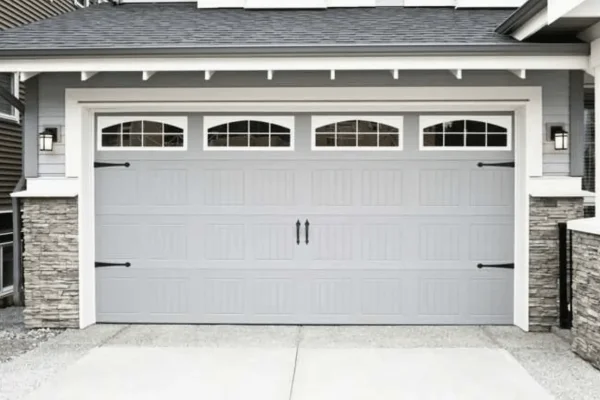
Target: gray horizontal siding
10, 157
555, 86
15, 13
10, 160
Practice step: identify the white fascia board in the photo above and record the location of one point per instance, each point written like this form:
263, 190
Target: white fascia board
351, 3
429, 3
559, 8
587, 9
221, 3
537, 22
278, 4
489, 3
566, 62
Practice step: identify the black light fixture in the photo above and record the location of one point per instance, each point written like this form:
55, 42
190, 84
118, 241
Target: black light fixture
47, 139
560, 136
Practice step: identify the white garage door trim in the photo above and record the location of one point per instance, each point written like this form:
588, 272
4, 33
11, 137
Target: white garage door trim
82, 104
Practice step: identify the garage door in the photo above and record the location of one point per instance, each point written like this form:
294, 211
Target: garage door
304, 220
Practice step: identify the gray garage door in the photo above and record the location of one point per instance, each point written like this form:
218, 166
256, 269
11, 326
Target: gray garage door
304, 236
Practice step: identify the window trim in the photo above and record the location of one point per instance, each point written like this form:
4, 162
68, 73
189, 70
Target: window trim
106, 121
287, 121
317, 121
505, 121
16, 89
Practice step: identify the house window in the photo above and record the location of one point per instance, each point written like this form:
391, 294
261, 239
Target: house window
10, 83
357, 133
465, 133
142, 133
248, 133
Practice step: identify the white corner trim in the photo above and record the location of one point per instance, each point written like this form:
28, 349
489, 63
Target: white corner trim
586, 225
557, 186
49, 187
86, 75
458, 73
519, 73
24, 76
536, 23
146, 75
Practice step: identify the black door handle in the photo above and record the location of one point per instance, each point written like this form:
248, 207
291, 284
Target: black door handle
306, 226
99, 264
110, 165
510, 164
298, 224
501, 266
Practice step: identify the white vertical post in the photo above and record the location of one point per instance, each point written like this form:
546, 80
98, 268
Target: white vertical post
595, 66
597, 136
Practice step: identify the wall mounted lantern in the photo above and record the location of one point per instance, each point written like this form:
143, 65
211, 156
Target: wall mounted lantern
47, 139
560, 136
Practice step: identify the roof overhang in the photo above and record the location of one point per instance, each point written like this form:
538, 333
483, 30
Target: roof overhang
552, 18
314, 50
147, 66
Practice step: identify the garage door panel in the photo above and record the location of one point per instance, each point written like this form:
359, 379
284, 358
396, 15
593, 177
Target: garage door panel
491, 242
324, 296
492, 188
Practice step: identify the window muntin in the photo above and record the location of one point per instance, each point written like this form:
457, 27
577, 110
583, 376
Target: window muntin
465, 133
142, 133
10, 83
248, 133
347, 133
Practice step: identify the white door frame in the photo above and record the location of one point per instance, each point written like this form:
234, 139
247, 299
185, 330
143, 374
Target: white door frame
81, 105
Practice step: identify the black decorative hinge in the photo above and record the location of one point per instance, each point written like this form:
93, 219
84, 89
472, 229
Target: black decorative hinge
510, 164
105, 264
502, 266
110, 165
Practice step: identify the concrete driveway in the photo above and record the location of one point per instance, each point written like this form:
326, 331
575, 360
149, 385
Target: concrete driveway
299, 363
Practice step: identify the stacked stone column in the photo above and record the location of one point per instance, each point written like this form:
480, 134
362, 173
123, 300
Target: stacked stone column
545, 214
51, 262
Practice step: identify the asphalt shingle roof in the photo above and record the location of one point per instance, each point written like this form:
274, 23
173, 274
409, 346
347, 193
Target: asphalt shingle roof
179, 26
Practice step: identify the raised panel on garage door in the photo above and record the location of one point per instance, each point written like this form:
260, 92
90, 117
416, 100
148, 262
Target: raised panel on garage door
393, 238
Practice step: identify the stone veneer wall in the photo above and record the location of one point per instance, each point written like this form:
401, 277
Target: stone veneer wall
544, 215
586, 296
51, 262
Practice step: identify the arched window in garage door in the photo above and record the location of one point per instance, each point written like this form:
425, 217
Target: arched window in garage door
142, 133
345, 133
249, 133
439, 132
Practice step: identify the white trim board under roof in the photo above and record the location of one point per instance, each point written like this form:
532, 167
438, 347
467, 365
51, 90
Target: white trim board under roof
305, 4
275, 64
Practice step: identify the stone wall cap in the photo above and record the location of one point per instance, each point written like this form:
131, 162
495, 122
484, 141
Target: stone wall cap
562, 194
586, 225
50, 187
37, 194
